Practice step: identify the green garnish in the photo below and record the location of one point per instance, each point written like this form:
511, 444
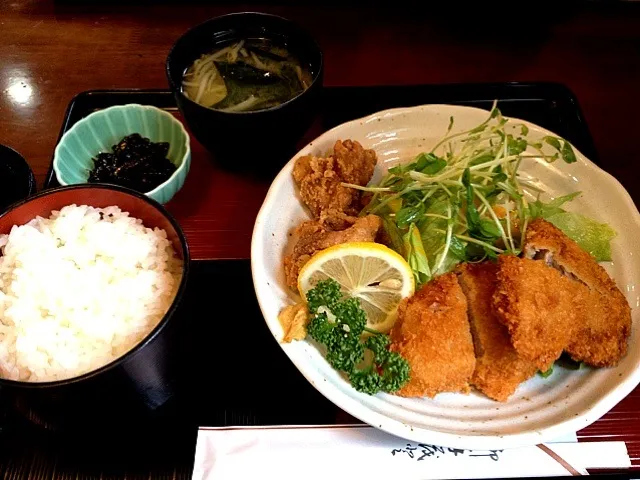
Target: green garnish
465, 200
565, 361
563, 148
539, 209
338, 323
547, 373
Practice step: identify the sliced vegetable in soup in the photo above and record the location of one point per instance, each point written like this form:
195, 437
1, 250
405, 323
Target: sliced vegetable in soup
248, 75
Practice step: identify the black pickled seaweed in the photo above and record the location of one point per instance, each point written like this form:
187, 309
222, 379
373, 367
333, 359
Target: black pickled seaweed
135, 162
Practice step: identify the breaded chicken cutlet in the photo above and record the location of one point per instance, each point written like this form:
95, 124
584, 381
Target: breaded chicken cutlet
499, 369
432, 333
314, 237
559, 299
320, 179
605, 316
539, 306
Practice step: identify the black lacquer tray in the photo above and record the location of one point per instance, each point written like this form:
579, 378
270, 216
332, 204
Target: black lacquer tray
231, 371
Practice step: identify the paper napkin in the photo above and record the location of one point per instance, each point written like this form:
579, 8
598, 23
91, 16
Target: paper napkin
357, 451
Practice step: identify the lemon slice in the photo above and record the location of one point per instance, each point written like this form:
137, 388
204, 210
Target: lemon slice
375, 274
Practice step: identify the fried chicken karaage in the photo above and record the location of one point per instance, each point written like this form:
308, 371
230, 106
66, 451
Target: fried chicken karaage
333, 206
499, 369
313, 237
432, 333
320, 179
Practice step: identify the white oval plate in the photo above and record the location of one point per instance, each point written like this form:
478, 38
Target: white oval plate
541, 409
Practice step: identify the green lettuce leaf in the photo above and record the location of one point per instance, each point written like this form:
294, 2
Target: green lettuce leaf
394, 235
592, 236
540, 209
416, 256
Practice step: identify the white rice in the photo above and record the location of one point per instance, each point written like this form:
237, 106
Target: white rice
80, 289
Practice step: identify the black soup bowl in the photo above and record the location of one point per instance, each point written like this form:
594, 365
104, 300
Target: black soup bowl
248, 140
136, 384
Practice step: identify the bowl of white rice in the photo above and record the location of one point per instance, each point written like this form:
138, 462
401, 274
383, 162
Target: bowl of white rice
90, 278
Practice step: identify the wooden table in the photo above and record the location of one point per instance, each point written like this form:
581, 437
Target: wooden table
50, 51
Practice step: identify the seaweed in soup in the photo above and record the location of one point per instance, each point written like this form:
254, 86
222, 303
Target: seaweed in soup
248, 75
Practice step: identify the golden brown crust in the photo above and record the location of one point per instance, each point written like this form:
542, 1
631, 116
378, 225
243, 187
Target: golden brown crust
355, 164
605, 329
543, 235
432, 333
539, 306
314, 237
319, 180
605, 320
499, 369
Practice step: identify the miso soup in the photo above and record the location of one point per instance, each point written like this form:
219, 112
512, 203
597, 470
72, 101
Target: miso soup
248, 75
